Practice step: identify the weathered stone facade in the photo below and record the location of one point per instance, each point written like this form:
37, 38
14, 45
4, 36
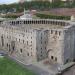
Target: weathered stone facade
34, 40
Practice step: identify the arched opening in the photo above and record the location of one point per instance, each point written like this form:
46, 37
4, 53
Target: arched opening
2, 39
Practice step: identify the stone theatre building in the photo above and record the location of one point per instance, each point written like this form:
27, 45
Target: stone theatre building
32, 40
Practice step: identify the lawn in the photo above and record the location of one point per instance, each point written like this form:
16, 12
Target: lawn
9, 67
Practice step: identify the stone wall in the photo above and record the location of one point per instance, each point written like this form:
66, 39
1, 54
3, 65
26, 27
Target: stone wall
41, 44
55, 45
32, 43
19, 43
69, 44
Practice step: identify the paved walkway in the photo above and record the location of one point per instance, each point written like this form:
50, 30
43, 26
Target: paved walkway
70, 71
34, 68
40, 69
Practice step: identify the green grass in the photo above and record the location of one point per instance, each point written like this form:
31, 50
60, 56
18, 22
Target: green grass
9, 67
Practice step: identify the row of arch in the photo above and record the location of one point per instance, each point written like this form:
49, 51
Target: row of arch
38, 22
56, 32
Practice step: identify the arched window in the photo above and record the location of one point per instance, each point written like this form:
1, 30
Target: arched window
52, 57
12, 22
24, 22
27, 54
48, 22
32, 21
42, 21
28, 22
19, 40
36, 22
55, 32
7, 44
51, 31
59, 32
20, 22
2, 39
23, 41
17, 22
21, 50
55, 58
